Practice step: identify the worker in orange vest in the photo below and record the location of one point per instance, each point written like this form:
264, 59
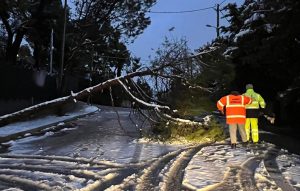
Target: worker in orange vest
233, 106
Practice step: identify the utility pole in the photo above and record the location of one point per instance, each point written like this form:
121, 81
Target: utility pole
217, 27
61, 69
218, 20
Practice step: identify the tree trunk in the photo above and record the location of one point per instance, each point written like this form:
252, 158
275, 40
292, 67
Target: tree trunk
36, 54
12, 51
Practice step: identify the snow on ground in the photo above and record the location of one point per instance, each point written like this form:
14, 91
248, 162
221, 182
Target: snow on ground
212, 167
206, 168
44, 121
289, 164
211, 164
96, 136
263, 179
101, 139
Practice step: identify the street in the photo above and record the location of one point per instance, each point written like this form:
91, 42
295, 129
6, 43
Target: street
103, 152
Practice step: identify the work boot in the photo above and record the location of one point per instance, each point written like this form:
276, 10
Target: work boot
233, 145
257, 142
245, 144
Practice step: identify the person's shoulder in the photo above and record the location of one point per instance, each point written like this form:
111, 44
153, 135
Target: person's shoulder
224, 97
257, 94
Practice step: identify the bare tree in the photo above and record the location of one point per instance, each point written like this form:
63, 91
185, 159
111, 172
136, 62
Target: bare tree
171, 65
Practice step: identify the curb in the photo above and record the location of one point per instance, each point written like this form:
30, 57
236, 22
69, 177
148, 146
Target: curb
22, 134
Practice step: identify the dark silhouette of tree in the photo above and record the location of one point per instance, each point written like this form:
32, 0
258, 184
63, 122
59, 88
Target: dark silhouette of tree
264, 41
26, 20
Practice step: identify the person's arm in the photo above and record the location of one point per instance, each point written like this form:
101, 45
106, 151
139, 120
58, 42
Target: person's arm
261, 102
221, 104
247, 100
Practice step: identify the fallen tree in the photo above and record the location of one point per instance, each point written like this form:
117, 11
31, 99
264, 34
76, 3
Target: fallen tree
58, 103
161, 69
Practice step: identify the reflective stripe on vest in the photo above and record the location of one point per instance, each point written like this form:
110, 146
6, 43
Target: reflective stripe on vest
220, 103
257, 100
235, 109
237, 105
234, 105
236, 116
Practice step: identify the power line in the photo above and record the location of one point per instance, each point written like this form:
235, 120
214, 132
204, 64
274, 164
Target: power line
186, 11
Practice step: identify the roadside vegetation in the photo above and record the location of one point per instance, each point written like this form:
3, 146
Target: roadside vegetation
184, 133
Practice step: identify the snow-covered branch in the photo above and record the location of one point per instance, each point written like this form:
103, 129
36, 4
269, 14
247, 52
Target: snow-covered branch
185, 82
141, 101
56, 103
204, 52
178, 120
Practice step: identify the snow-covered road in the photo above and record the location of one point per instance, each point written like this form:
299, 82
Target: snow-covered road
96, 153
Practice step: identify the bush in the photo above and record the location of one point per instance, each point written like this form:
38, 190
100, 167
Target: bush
171, 131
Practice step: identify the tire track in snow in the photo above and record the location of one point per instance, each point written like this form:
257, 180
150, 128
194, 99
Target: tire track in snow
105, 175
127, 184
231, 180
240, 177
117, 180
236, 178
31, 172
48, 169
273, 170
246, 175
25, 183
174, 175
35, 172
64, 159
149, 179
243, 177
5, 186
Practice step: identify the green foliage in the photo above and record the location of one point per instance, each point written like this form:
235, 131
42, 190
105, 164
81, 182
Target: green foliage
195, 105
214, 133
171, 131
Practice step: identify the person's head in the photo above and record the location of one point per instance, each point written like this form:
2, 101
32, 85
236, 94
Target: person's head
235, 93
249, 86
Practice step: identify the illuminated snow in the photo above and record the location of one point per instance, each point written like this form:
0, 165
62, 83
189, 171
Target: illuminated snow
43, 121
289, 164
115, 150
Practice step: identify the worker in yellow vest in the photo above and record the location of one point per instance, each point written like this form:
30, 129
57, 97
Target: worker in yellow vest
252, 113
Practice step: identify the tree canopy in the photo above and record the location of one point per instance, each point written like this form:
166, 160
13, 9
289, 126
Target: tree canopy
264, 40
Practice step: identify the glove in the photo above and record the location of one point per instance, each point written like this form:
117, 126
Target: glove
262, 111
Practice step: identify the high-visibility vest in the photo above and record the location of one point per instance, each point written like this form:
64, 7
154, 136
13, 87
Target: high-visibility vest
256, 98
234, 105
